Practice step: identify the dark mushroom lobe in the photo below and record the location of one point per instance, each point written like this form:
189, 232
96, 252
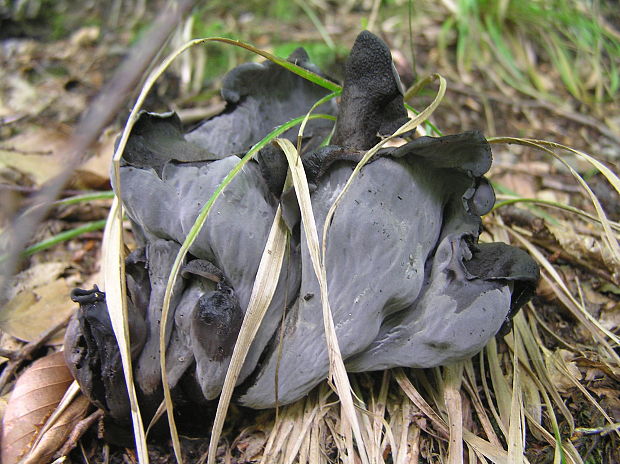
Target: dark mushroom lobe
458, 311
372, 96
160, 255
155, 137
202, 268
509, 265
379, 240
261, 97
138, 291
92, 352
165, 207
200, 278
215, 324
408, 283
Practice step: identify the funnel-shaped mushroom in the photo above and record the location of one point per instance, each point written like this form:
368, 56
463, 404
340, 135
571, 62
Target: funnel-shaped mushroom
408, 283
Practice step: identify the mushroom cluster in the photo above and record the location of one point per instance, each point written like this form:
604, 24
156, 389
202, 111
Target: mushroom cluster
408, 282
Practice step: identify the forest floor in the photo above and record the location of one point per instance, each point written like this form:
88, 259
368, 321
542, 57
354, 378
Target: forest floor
502, 79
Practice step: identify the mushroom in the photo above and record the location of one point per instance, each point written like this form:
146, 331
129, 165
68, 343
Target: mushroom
408, 282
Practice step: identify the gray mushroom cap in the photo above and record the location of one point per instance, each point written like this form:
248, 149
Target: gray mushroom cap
408, 283
233, 237
381, 247
260, 97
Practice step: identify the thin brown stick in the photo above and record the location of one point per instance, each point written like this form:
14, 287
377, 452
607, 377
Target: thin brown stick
582, 119
97, 117
80, 429
26, 352
562, 254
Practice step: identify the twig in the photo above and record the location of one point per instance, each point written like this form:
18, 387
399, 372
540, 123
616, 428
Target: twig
78, 430
26, 352
582, 119
99, 115
10, 354
562, 254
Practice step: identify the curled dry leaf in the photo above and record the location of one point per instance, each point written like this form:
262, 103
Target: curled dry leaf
27, 152
35, 397
38, 302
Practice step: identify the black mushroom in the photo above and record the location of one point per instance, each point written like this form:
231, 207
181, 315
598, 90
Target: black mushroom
408, 282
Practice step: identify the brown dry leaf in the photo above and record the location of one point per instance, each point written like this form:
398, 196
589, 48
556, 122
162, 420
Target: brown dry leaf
56, 436
36, 276
521, 183
36, 152
36, 394
20, 97
4, 400
40, 300
574, 243
610, 399
560, 366
39, 153
95, 173
554, 195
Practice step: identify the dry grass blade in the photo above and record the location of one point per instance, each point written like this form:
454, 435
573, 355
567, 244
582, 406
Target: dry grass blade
407, 440
302, 435
262, 292
417, 399
338, 371
509, 200
114, 278
378, 422
490, 451
161, 409
540, 376
608, 173
501, 389
608, 236
516, 428
568, 299
454, 407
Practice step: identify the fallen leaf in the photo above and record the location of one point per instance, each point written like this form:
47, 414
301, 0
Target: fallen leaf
523, 184
582, 245
36, 394
39, 301
94, 174
562, 368
9, 343
22, 97
3, 402
56, 436
38, 153
36, 276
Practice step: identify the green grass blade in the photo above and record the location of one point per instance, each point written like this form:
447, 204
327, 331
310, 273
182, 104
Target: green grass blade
59, 238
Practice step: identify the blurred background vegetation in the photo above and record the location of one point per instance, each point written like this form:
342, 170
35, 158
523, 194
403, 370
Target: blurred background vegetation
563, 52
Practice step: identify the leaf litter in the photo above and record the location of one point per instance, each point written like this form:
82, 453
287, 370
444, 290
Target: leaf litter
324, 432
